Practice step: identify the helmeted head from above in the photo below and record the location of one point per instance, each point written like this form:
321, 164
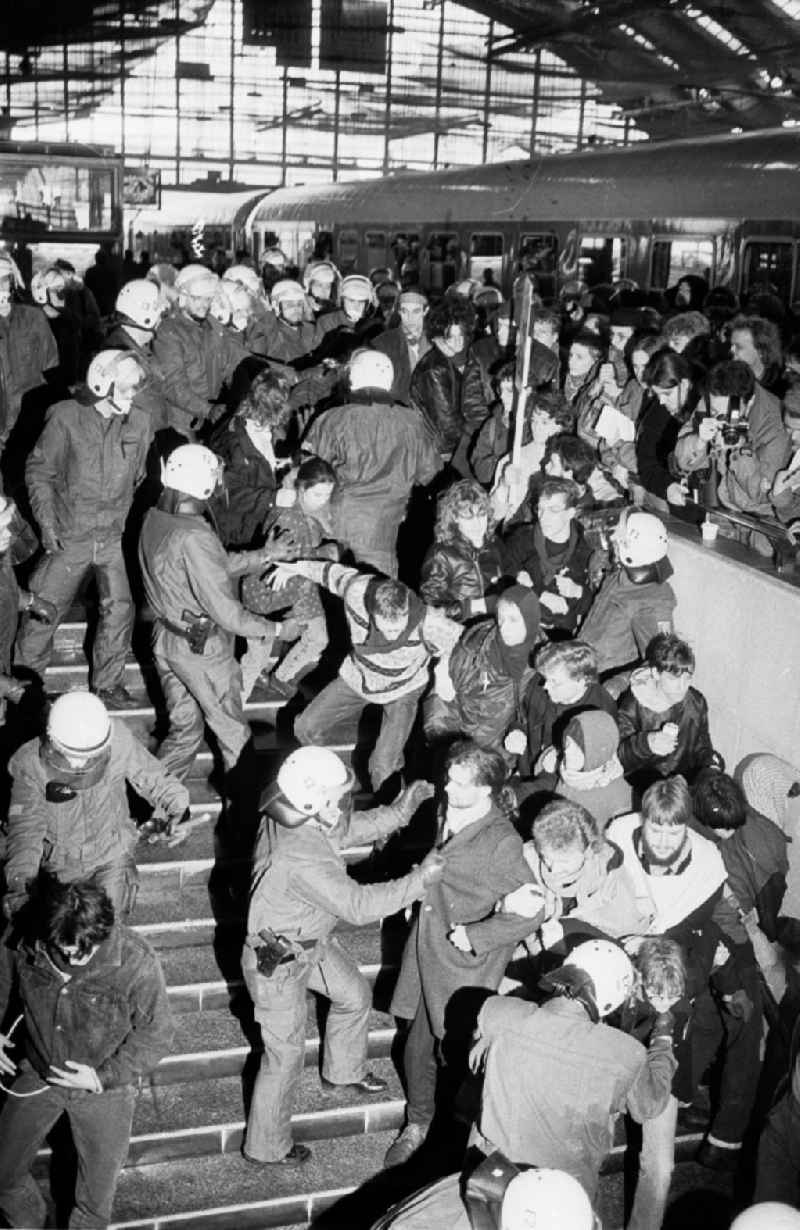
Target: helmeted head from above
320, 279
546, 1200
275, 258
357, 295
77, 743
311, 784
243, 275
288, 300
140, 303
48, 288
112, 378
196, 286
10, 279
640, 539
370, 369
8, 511
768, 1215
598, 973
192, 469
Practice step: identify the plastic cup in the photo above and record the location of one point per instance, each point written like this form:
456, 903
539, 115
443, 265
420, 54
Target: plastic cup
709, 531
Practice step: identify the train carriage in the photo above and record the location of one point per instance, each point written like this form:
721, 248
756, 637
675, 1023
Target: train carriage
721, 207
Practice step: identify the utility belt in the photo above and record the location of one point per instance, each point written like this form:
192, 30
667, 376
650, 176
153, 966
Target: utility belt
196, 630
275, 950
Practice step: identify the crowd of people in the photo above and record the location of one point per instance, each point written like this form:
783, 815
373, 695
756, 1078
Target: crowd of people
331, 494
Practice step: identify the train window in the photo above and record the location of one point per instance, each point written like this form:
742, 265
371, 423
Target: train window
486, 257
375, 242
767, 265
348, 251
600, 259
443, 260
673, 259
537, 255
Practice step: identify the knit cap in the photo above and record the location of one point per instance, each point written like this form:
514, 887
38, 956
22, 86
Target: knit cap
596, 734
767, 782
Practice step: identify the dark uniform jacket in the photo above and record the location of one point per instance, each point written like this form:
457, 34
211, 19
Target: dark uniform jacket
83, 472
150, 396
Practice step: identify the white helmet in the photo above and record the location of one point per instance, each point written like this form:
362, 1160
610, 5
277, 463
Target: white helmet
78, 725
610, 970
312, 777
770, 1215
546, 1200
241, 305
287, 291
641, 539
274, 257
243, 275
371, 369
193, 470
10, 269
48, 286
320, 271
197, 280
140, 302
356, 286
106, 370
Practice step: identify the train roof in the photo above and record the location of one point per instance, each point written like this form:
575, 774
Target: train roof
182, 207
749, 176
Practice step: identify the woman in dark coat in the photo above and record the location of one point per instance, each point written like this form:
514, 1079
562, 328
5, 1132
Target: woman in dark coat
463, 560
246, 445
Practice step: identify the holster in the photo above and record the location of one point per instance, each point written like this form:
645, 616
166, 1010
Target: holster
198, 630
274, 950
485, 1188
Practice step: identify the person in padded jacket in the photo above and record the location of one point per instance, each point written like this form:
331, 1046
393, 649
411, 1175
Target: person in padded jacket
246, 445
463, 561
663, 720
437, 379
554, 558
487, 673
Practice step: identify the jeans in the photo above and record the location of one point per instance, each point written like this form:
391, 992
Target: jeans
57, 579
101, 1129
656, 1163
199, 688
714, 1028
338, 703
281, 1004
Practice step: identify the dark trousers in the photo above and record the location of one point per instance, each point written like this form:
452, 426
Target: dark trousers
57, 579
714, 1030
101, 1130
778, 1168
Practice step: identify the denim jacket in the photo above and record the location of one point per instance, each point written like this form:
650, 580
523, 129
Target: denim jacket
112, 1013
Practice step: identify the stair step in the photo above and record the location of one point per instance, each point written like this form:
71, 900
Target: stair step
187, 1063
225, 1193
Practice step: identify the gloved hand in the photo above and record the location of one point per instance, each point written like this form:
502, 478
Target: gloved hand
432, 868
41, 609
409, 801
50, 540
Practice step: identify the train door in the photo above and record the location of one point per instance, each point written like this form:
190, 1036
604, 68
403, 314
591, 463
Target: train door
404, 258
376, 251
767, 263
486, 258
601, 259
675, 257
441, 261
538, 254
347, 251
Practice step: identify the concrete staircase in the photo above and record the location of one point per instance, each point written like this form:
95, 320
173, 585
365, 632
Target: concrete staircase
184, 1169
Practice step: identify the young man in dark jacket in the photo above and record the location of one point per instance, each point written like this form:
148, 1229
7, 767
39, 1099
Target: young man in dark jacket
97, 1021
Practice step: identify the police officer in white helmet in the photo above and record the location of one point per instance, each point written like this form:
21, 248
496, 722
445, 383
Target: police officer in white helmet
81, 479
300, 891
189, 582
69, 809
139, 309
27, 345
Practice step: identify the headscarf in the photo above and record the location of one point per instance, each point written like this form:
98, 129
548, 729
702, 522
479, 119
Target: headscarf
512, 660
767, 782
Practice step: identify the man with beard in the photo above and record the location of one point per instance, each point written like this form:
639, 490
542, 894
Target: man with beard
406, 344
